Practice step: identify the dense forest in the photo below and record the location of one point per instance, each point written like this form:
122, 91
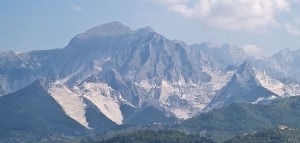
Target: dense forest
286, 135
150, 136
269, 136
238, 118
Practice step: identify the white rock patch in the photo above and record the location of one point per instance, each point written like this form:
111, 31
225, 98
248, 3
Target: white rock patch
71, 102
106, 101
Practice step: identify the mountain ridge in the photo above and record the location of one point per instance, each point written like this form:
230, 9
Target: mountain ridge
141, 71
239, 118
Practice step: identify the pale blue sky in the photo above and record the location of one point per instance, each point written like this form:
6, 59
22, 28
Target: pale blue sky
258, 25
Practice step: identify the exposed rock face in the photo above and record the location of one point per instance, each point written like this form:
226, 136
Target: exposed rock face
116, 74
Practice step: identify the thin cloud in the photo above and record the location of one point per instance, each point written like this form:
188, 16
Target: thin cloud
169, 1
254, 50
76, 7
248, 15
182, 9
293, 27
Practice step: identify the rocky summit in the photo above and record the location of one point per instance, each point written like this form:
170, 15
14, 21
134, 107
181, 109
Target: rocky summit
112, 75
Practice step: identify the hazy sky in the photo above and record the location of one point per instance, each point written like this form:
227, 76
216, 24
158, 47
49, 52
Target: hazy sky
259, 26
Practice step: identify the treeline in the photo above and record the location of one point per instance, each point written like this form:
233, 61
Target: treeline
287, 135
269, 136
167, 136
241, 118
150, 136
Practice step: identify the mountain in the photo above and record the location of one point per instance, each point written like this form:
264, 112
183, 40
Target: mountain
219, 56
241, 118
15, 72
243, 87
112, 75
283, 64
32, 111
252, 85
145, 67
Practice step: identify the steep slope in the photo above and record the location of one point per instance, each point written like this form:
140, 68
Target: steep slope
15, 72
143, 66
146, 68
245, 117
288, 62
110, 67
128, 61
33, 111
283, 87
48, 107
96, 105
243, 87
219, 56
283, 64
77, 100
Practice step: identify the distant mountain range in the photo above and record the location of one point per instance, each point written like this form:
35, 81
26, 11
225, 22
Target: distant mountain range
111, 75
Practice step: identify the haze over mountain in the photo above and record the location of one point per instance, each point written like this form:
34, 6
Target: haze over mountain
111, 75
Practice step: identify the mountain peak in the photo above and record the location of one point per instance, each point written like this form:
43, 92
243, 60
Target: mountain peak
246, 66
284, 52
145, 30
285, 55
108, 29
